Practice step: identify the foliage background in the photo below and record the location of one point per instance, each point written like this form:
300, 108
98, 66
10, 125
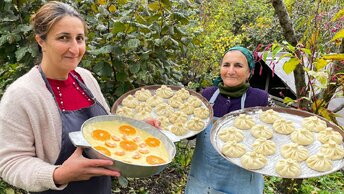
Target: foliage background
132, 43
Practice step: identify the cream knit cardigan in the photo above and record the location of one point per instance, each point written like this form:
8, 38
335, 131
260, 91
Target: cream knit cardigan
30, 131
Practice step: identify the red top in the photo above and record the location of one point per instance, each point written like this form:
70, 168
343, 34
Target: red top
72, 97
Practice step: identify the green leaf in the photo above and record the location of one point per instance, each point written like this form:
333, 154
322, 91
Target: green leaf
20, 53
154, 6
288, 100
121, 76
320, 63
134, 67
118, 27
133, 43
338, 35
336, 57
103, 69
103, 50
338, 15
290, 65
166, 3
307, 51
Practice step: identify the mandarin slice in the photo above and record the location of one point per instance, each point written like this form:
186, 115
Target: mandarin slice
128, 145
152, 142
101, 135
151, 159
103, 150
127, 130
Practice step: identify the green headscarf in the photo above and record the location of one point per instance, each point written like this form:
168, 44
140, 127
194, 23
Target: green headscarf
248, 54
236, 91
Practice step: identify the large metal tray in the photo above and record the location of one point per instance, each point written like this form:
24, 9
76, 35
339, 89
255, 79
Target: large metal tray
290, 114
152, 89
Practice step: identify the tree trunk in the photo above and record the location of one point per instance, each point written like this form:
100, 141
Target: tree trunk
289, 185
289, 34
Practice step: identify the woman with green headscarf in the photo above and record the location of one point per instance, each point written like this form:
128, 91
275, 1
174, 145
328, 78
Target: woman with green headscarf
210, 172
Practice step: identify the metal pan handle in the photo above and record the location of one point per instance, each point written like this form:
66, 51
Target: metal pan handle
78, 139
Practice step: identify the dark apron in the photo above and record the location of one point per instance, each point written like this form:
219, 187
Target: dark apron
72, 121
210, 173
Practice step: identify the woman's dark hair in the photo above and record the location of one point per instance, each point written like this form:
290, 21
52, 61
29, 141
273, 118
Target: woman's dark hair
50, 13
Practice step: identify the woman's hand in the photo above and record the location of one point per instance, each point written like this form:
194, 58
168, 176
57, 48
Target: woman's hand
79, 168
154, 122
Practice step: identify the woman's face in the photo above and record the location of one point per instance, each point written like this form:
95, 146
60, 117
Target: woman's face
234, 69
63, 47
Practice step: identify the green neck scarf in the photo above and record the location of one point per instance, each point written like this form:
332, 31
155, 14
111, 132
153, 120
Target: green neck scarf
233, 92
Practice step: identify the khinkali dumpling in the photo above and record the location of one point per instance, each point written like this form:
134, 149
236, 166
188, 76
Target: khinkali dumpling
288, 168
195, 124
201, 112
269, 116
294, 151
142, 115
186, 108
253, 160
233, 149
154, 101
194, 101
164, 122
313, 123
183, 93
177, 117
264, 146
179, 129
143, 107
130, 101
244, 121
302, 136
175, 101
319, 162
283, 126
231, 134
164, 92
332, 150
143, 94
163, 109
261, 131
124, 111
329, 134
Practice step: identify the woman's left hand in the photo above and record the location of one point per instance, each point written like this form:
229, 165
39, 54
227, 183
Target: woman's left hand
154, 122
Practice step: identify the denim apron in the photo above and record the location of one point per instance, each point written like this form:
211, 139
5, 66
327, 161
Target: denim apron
212, 174
72, 121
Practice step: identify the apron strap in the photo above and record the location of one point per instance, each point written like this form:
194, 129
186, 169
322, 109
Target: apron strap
216, 94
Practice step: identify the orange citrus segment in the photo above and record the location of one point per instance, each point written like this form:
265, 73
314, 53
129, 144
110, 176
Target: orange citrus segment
151, 159
103, 150
127, 130
128, 145
152, 142
101, 135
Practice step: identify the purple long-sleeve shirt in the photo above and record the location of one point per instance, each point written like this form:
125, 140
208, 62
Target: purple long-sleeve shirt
224, 105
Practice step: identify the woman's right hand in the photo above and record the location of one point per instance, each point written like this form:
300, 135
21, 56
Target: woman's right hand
79, 168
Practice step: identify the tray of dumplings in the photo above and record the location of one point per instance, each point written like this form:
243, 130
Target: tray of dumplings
280, 142
182, 113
